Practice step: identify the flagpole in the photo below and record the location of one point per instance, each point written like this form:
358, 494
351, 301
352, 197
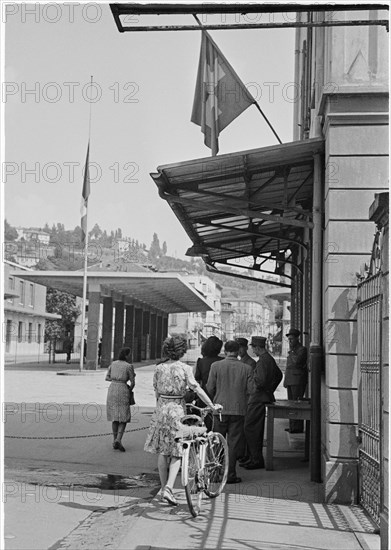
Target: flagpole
83, 316
265, 117
255, 102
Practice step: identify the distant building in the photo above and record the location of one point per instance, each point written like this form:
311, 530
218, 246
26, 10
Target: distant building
282, 299
33, 234
250, 317
227, 320
199, 325
24, 316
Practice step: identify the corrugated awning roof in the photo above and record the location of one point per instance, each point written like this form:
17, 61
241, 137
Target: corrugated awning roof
252, 203
168, 293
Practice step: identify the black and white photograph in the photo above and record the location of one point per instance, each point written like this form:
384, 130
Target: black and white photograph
195, 275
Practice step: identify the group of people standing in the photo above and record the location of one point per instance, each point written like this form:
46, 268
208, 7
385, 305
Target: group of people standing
242, 386
235, 386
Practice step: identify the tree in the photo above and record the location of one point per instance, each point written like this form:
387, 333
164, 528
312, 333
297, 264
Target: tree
10, 233
95, 232
65, 305
60, 233
154, 249
76, 234
164, 248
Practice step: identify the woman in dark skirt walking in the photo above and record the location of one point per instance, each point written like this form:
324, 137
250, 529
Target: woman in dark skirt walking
118, 395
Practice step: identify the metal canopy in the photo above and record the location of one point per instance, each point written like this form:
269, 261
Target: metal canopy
124, 13
252, 204
169, 8
166, 292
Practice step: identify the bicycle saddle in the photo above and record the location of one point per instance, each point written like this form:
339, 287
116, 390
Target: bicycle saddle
188, 432
191, 420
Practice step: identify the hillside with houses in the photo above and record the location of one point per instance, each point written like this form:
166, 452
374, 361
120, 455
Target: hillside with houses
240, 306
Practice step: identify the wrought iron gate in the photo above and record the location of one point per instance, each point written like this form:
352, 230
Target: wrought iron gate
369, 397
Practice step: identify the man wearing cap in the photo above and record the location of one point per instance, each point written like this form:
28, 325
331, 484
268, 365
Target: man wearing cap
254, 424
296, 374
243, 352
230, 384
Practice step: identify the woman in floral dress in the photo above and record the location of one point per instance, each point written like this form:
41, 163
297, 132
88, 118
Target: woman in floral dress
171, 380
118, 395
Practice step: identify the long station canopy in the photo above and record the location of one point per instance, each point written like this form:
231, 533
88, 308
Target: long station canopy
245, 208
166, 292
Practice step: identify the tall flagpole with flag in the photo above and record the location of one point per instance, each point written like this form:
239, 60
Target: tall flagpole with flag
84, 238
220, 96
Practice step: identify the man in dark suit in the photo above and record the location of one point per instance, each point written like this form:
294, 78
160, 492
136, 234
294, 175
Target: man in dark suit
296, 374
254, 424
243, 352
245, 358
229, 384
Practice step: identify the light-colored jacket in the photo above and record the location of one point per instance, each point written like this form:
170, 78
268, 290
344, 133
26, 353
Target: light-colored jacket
230, 384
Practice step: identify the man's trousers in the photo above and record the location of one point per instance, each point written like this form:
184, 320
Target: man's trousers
231, 427
254, 429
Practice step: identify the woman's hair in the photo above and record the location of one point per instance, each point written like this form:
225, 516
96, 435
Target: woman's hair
123, 353
174, 347
211, 347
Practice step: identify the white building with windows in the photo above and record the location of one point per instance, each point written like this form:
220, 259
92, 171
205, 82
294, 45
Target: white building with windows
24, 316
198, 325
33, 234
250, 318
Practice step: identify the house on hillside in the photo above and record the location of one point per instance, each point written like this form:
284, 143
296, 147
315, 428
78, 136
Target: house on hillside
33, 234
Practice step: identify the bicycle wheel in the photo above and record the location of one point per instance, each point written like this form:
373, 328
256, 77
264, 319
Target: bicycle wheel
192, 479
216, 464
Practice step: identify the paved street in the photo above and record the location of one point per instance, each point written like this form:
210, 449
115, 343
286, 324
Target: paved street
69, 489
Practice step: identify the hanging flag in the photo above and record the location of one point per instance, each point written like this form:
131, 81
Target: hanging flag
220, 95
84, 200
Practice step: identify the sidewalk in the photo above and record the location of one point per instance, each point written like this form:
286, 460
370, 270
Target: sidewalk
234, 522
269, 510
279, 509
61, 366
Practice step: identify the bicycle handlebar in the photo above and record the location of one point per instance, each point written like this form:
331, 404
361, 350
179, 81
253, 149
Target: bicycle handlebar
205, 410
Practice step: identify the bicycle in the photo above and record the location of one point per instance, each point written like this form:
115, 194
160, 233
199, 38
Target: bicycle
204, 460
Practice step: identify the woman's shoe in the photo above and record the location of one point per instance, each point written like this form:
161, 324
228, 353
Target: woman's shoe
121, 447
169, 497
159, 496
115, 445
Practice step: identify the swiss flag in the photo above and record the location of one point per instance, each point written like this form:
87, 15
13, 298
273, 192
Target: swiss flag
220, 95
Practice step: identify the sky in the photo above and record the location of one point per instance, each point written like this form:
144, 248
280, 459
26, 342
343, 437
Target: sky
140, 114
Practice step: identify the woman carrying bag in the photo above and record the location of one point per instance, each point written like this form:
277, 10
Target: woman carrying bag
120, 395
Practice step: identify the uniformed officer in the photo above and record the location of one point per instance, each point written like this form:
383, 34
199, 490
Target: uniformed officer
296, 374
